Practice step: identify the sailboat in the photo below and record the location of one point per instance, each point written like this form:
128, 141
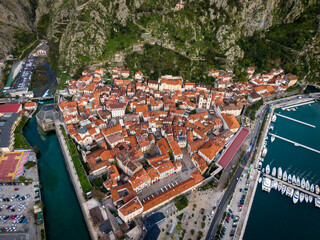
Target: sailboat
279, 172
303, 183
272, 138
268, 169
294, 181
284, 177
312, 188
289, 178
274, 172
317, 189
307, 185
298, 181
306, 198
301, 197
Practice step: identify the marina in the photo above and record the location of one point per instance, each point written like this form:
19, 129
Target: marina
297, 105
273, 209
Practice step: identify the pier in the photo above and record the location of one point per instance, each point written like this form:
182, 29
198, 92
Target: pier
291, 185
298, 105
295, 120
295, 143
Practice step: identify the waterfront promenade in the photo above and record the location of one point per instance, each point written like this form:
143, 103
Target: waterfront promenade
75, 180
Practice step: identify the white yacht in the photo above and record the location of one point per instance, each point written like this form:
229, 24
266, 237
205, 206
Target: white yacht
264, 151
268, 169
289, 192
298, 181
279, 172
310, 198
312, 188
266, 185
284, 177
317, 202
274, 184
306, 198
274, 172
262, 170
307, 185
260, 179
279, 186
295, 196
317, 189
259, 165
289, 178
274, 118
301, 197
283, 189
272, 138
294, 180
303, 183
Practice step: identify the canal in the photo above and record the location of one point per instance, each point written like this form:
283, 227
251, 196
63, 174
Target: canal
62, 212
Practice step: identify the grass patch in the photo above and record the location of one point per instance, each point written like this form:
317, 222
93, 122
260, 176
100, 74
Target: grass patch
209, 185
83, 178
181, 202
253, 108
180, 216
43, 234
19, 139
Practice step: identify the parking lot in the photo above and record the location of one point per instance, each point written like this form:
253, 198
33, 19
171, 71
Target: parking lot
16, 208
234, 210
24, 76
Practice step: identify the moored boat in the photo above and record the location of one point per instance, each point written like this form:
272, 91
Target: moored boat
303, 183
317, 202
301, 197
266, 185
284, 177
264, 151
289, 192
307, 185
294, 181
273, 138
306, 198
274, 118
274, 184
317, 189
268, 169
283, 189
274, 172
310, 198
295, 197
260, 179
312, 188
289, 178
298, 181
279, 172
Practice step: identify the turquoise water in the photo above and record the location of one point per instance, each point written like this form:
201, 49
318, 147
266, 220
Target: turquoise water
274, 216
62, 212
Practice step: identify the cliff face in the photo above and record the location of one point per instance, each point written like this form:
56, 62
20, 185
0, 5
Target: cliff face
16, 16
87, 31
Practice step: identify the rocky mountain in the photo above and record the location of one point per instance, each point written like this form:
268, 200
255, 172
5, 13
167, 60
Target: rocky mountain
83, 32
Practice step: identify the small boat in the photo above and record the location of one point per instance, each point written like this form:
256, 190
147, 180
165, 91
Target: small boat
307, 185
303, 183
274, 184
283, 189
266, 185
312, 188
268, 169
317, 202
273, 138
306, 198
279, 186
274, 118
274, 172
289, 178
289, 192
271, 127
284, 177
317, 189
301, 197
298, 181
310, 198
260, 179
259, 165
262, 170
279, 172
294, 181
264, 151
295, 196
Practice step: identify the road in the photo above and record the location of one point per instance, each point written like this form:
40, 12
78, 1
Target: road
226, 197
